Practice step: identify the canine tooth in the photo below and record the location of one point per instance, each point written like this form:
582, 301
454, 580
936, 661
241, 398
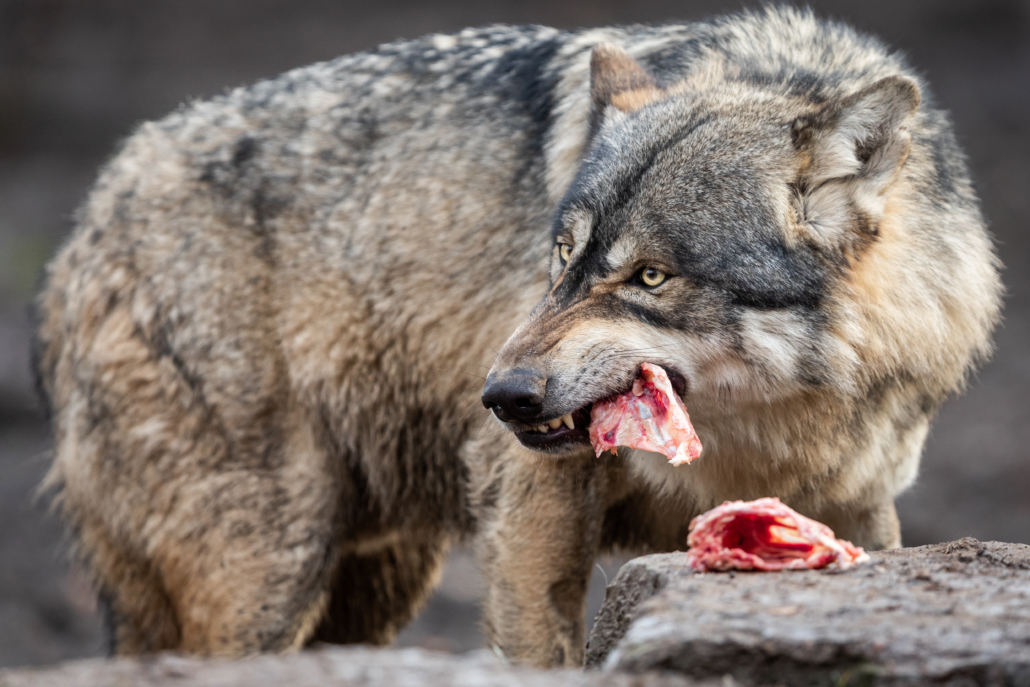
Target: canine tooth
555, 423
567, 419
542, 429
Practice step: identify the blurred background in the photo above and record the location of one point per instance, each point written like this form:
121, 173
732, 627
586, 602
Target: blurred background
77, 75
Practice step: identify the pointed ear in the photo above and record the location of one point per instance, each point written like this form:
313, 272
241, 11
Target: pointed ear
618, 80
864, 134
855, 148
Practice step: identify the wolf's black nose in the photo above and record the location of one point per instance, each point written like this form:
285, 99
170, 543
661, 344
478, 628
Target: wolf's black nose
517, 395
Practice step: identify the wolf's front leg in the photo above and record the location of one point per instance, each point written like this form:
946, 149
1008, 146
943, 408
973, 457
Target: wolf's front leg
873, 526
537, 549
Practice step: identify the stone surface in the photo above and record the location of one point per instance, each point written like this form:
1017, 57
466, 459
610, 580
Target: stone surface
335, 667
956, 613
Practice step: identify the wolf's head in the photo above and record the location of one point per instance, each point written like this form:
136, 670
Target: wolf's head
704, 232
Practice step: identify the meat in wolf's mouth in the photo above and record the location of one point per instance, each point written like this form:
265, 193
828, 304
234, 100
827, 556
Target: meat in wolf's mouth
648, 416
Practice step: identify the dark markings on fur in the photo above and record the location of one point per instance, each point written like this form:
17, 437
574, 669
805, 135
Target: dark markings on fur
801, 131
245, 150
947, 158
224, 172
677, 56
525, 78
805, 84
811, 367
160, 344
614, 194
865, 226
239, 180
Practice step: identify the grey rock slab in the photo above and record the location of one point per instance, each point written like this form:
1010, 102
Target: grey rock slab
955, 613
330, 667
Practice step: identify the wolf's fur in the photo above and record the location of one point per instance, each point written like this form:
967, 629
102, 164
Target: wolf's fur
264, 342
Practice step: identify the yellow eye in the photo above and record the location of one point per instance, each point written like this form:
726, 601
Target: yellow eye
652, 276
565, 252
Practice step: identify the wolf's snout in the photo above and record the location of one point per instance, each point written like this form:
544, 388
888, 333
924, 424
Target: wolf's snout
516, 395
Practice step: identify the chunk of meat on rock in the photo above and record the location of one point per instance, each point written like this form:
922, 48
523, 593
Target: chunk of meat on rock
765, 535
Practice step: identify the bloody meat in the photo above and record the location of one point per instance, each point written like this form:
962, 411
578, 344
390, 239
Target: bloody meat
650, 417
765, 535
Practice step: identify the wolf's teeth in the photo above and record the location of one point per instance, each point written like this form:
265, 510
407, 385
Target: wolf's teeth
555, 423
542, 429
567, 419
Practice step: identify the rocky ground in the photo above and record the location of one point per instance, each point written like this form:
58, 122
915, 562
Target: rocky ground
954, 613
336, 667
947, 614
76, 75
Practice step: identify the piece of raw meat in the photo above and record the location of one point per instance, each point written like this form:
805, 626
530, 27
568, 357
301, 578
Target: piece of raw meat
765, 535
650, 417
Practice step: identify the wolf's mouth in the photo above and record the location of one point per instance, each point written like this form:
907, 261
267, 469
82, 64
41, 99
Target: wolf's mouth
573, 429
562, 432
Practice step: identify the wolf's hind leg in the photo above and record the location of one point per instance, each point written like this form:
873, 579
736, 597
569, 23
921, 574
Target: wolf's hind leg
377, 591
235, 570
244, 565
139, 615
205, 535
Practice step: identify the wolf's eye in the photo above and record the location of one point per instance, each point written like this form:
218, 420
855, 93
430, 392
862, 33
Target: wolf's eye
565, 252
652, 276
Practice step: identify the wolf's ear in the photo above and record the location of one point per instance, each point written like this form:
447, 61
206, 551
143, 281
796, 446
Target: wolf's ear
855, 149
618, 80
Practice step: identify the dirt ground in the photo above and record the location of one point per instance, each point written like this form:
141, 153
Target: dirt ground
76, 75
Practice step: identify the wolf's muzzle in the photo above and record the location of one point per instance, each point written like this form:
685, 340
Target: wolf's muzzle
517, 395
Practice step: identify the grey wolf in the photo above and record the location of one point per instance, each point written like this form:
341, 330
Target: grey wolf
264, 343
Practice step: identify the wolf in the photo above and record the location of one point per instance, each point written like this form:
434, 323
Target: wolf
265, 342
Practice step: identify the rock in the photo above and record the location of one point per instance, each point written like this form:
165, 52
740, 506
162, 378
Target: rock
637, 581
956, 613
330, 667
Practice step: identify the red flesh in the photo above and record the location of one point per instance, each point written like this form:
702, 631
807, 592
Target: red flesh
765, 535
650, 417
